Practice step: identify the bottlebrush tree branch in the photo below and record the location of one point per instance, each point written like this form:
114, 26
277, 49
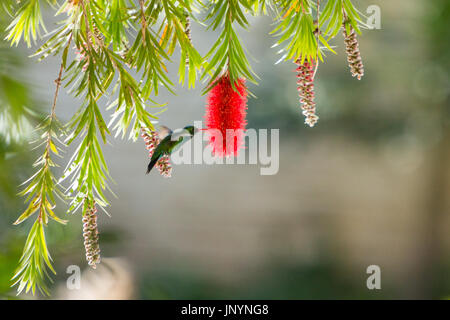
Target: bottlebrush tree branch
341, 14
338, 12
28, 22
176, 15
95, 69
228, 54
40, 193
297, 28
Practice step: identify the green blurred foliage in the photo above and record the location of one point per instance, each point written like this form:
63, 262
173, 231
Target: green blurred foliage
284, 280
19, 114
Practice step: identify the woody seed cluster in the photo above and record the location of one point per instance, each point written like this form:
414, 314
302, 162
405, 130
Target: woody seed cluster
90, 235
353, 54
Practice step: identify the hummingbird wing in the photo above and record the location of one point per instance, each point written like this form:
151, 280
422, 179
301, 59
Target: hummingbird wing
180, 133
163, 132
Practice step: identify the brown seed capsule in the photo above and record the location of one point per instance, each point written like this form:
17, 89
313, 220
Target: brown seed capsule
90, 235
353, 54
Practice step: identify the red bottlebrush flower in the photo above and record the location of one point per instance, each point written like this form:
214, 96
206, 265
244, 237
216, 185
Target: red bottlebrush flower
226, 111
305, 87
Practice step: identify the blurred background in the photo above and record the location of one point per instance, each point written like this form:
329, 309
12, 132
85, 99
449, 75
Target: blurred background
369, 185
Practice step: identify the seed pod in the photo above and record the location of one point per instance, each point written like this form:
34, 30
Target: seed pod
90, 235
353, 54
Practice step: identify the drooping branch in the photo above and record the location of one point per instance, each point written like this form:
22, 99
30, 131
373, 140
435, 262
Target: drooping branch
41, 190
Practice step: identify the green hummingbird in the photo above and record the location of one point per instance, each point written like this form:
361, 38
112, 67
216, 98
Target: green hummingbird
169, 140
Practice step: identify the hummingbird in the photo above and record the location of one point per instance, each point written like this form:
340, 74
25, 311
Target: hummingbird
169, 140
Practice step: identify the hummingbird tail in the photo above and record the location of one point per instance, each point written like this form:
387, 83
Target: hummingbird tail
152, 164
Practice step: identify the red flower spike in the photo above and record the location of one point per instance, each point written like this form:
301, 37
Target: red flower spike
225, 116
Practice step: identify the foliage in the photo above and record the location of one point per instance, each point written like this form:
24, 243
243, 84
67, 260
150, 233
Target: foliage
102, 44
